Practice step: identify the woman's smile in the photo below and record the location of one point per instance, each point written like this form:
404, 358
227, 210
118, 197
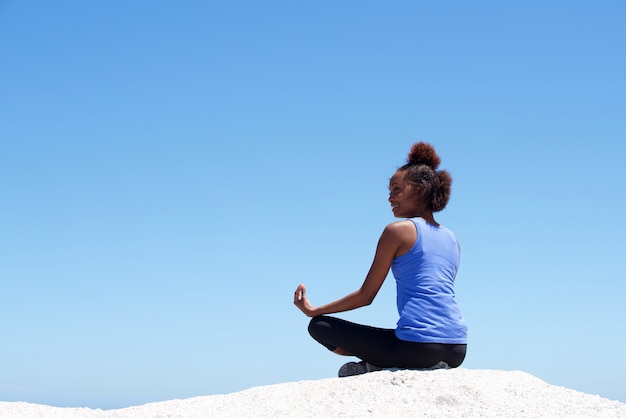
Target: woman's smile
401, 196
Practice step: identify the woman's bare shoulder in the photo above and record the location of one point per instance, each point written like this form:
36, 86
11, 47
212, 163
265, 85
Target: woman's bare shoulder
400, 226
403, 230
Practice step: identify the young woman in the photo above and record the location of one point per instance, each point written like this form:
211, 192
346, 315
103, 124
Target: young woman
424, 258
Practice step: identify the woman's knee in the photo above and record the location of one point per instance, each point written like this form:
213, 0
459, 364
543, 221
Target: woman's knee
319, 329
456, 355
315, 326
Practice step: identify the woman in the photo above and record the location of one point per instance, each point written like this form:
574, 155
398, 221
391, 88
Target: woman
424, 259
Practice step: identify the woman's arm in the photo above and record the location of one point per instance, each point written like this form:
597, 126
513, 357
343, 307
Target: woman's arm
393, 238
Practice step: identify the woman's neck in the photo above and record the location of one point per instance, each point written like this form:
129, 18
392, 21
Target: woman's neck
428, 217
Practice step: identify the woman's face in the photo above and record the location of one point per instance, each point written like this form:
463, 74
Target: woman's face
403, 197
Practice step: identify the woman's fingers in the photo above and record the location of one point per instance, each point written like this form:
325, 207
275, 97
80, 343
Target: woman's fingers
299, 294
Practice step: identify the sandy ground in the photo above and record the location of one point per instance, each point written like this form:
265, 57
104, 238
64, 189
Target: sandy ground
405, 393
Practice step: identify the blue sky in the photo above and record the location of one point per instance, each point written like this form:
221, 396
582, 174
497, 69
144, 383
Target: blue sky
171, 172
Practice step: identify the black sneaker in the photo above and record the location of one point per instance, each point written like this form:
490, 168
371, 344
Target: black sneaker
353, 368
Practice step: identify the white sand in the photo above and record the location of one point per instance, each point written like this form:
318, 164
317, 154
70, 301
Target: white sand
406, 393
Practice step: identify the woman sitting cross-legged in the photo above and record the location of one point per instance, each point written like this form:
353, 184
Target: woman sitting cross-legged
424, 258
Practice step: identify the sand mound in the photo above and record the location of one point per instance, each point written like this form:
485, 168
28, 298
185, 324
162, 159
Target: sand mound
406, 393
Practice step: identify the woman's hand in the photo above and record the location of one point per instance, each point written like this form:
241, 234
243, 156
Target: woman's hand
301, 301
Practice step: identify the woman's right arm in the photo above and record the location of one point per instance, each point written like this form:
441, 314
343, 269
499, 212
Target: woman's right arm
392, 239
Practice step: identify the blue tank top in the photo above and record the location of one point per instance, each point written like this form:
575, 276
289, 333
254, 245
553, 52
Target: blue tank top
424, 277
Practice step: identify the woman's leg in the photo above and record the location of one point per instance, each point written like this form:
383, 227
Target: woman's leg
412, 355
455, 354
347, 338
380, 346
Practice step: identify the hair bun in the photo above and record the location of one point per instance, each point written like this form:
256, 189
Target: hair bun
423, 153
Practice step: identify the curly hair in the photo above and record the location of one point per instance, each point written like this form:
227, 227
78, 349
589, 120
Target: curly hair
421, 170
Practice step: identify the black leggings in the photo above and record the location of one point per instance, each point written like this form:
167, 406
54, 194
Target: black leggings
381, 347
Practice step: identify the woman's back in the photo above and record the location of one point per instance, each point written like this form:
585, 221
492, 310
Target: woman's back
425, 288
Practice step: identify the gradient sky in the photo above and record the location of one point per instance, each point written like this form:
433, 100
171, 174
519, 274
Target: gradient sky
170, 172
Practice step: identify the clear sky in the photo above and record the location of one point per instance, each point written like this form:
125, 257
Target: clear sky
171, 171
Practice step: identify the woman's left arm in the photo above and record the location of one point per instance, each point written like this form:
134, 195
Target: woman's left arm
388, 245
